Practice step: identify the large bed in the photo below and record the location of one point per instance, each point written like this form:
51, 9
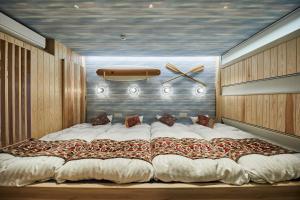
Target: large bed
121, 163
260, 168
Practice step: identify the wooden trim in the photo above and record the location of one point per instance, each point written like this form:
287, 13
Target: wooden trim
157, 191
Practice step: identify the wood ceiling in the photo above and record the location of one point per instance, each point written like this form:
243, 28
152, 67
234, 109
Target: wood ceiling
170, 28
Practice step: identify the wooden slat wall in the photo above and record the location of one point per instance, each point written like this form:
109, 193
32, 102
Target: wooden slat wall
280, 112
31, 83
15, 92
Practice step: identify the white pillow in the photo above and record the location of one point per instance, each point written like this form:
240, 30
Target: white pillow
194, 119
110, 117
159, 116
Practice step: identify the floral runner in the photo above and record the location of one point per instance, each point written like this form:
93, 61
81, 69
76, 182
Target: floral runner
80, 149
144, 150
216, 148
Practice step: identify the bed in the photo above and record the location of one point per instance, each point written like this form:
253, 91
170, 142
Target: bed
170, 167
118, 169
20, 171
260, 168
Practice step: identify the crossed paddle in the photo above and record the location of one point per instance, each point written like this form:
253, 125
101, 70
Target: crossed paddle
195, 69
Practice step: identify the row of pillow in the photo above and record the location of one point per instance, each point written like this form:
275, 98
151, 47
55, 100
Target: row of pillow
167, 119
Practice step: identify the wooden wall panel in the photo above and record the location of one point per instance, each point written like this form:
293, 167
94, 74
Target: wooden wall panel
15, 92
278, 112
31, 86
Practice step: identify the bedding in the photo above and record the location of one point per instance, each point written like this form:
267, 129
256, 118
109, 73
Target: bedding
20, 171
85, 131
170, 167
119, 169
260, 168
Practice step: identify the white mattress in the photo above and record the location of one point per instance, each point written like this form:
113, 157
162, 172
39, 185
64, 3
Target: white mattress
170, 168
119, 170
261, 169
20, 171
84, 131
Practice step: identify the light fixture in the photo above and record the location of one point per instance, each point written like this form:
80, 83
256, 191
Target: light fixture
133, 90
166, 91
150, 5
199, 90
102, 90
76, 6
123, 36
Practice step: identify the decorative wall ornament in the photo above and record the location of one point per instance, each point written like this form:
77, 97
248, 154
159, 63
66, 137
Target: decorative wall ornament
127, 74
134, 90
196, 69
199, 90
166, 91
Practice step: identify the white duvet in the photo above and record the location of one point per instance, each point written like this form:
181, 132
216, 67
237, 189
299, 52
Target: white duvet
20, 171
84, 131
119, 170
261, 169
170, 168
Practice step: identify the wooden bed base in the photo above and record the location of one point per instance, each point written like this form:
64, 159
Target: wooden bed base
157, 191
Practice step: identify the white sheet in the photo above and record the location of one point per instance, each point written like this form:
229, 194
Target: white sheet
20, 171
119, 170
170, 168
84, 131
261, 169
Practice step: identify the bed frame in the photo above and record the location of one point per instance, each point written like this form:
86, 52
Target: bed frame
147, 191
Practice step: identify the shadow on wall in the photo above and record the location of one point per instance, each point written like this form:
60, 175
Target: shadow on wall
150, 99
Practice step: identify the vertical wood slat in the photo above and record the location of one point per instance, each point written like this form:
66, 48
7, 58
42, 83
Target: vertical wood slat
260, 66
298, 54
273, 111
273, 62
254, 67
23, 93
281, 112
267, 63
11, 99
18, 116
297, 114
281, 59
289, 114
40, 96
291, 62
34, 93
28, 93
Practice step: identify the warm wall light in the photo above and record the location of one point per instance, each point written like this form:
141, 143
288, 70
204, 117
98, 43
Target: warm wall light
133, 90
102, 91
199, 90
166, 90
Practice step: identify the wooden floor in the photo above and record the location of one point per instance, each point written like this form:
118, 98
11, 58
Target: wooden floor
157, 191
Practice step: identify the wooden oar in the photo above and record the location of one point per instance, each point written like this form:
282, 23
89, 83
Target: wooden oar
198, 68
175, 69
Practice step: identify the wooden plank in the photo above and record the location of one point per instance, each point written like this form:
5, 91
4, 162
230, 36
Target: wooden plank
289, 114
267, 63
282, 59
259, 113
18, 86
254, 67
4, 90
298, 54
28, 93
281, 112
41, 109
274, 63
266, 111
297, 114
253, 109
10, 103
83, 95
273, 111
51, 94
157, 191
241, 70
260, 65
236, 73
34, 93
291, 47
23, 94
248, 109
232, 80
46, 94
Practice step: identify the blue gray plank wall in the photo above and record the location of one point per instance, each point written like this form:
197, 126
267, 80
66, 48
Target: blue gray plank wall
150, 101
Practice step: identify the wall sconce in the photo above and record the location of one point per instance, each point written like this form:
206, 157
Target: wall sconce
102, 90
166, 90
133, 90
199, 90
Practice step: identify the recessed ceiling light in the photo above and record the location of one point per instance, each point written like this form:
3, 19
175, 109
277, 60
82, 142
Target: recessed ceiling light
76, 6
151, 5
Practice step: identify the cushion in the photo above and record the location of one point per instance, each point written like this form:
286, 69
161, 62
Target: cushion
167, 119
205, 120
101, 119
131, 121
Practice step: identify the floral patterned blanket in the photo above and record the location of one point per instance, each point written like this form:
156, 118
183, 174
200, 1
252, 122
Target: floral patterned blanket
144, 150
216, 148
80, 149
